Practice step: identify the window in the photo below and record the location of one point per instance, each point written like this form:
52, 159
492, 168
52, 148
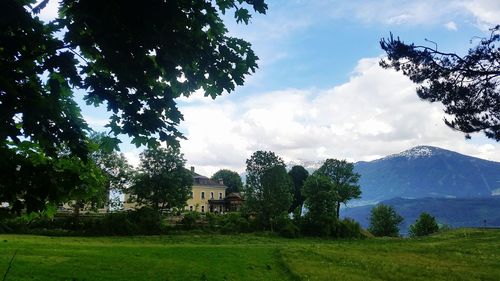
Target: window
211, 195
202, 195
220, 195
203, 209
191, 208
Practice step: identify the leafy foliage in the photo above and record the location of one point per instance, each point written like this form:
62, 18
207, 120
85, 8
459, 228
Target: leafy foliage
114, 166
468, 86
384, 221
344, 179
189, 219
275, 198
162, 181
298, 175
320, 202
230, 178
31, 180
137, 60
268, 188
425, 225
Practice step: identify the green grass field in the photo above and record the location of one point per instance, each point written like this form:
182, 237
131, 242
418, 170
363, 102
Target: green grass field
455, 255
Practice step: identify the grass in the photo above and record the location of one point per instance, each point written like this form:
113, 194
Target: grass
464, 254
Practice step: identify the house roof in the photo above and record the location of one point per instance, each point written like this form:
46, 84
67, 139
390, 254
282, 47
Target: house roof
200, 180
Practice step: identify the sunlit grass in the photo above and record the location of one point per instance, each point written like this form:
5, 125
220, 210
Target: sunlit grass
457, 255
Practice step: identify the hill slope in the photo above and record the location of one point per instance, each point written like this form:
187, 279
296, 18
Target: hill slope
426, 171
470, 212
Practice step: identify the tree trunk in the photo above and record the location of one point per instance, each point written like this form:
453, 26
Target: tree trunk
337, 210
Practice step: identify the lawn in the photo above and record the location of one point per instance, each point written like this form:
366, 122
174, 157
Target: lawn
464, 254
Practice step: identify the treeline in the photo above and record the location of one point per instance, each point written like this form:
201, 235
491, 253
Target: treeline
290, 203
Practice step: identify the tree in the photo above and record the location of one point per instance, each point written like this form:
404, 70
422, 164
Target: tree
230, 178
424, 225
298, 175
162, 181
137, 60
344, 180
259, 162
31, 179
276, 196
384, 221
267, 187
320, 197
114, 171
468, 86
114, 166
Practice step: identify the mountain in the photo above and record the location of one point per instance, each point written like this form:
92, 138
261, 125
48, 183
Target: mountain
426, 171
455, 212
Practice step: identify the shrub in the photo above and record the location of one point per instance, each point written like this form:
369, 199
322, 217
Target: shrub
424, 225
289, 230
384, 221
113, 224
214, 221
349, 228
234, 223
146, 220
319, 225
189, 219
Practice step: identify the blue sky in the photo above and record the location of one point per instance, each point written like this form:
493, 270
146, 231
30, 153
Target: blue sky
319, 92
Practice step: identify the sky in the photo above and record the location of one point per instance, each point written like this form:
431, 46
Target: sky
319, 92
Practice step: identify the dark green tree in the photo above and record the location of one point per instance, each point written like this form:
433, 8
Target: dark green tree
267, 185
468, 86
31, 179
320, 201
298, 175
230, 178
424, 225
162, 182
384, 221
344, 180
276, 196
259, 162
134, 57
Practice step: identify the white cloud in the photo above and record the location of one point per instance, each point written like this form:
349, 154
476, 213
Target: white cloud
451, 26
374, 114
486, 12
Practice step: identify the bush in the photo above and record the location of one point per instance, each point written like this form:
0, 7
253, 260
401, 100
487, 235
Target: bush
424, 225
112, 224
349, 228
319, 226
213, 221
234, 223
146, 220
384, 221
189, 220
290, 230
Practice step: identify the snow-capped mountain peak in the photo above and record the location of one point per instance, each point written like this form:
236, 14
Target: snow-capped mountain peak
416, 152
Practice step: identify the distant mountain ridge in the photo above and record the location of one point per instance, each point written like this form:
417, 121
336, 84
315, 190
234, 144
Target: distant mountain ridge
423, 171
426, 171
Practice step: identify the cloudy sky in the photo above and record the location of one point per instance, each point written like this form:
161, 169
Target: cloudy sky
319, 92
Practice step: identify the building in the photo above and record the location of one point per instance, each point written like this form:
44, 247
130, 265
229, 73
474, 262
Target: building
206, 195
